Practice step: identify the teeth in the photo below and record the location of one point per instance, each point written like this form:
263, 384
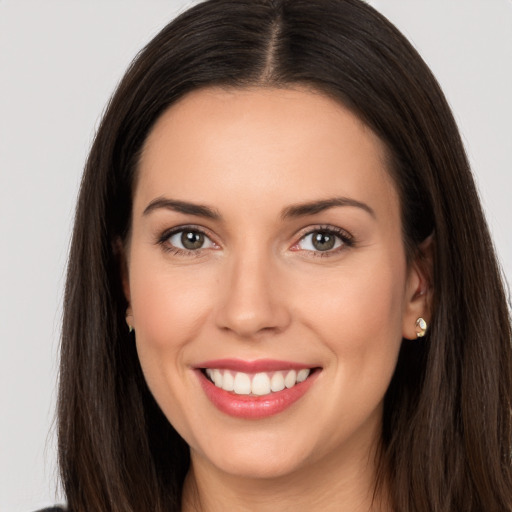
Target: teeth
258, 384
242, 385
302, 375
277, 382
217, 378
290, 379
228, 382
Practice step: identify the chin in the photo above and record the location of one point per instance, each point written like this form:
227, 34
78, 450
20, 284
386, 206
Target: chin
264, 456
257, 466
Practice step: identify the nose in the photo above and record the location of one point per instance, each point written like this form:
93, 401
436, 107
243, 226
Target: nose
253, 301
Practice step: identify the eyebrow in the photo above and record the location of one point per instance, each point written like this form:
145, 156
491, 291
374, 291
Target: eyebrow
185, 207
293, 211
314, 207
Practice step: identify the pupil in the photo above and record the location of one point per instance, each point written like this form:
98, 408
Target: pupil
192, 240
323, 241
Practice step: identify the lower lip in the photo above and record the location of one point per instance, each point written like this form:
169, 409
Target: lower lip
254, 407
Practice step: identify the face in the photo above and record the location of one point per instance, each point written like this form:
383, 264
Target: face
267, 279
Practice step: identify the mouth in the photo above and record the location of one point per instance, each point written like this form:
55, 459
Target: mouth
253, 390
256, 384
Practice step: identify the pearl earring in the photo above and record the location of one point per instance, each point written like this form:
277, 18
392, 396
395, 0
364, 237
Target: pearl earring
130, 326
421, 327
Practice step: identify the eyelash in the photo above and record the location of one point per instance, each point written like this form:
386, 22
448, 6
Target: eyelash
163, 240
347, 241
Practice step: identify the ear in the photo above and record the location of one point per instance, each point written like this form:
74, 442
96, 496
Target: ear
418, 289
121, 255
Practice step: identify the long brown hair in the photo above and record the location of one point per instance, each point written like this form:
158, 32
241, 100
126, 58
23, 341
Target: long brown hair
446, 434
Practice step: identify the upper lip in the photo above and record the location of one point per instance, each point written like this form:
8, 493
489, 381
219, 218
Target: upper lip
258, 365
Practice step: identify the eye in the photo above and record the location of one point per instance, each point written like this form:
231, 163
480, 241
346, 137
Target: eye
324, 240
189, 240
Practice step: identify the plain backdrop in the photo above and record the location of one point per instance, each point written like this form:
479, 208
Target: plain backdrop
59, 63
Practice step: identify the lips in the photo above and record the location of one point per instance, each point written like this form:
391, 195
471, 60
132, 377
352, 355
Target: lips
254, 389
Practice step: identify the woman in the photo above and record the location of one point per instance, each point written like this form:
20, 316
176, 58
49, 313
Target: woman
281, 291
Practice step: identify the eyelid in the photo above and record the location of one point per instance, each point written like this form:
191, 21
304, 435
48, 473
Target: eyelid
347, 240
164, 237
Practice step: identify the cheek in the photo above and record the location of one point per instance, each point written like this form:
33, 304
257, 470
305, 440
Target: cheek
358, 313
357, 317
168, 305
169, 308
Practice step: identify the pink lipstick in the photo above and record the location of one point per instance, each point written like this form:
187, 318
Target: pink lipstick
254, 389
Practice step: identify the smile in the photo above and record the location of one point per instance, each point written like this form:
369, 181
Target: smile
258, 384
254, 390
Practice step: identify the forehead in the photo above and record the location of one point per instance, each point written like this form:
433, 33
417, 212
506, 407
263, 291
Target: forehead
287, 145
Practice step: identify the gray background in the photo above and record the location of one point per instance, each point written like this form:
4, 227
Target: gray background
59, 63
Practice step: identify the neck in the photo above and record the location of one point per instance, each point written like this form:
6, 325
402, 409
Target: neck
327, 486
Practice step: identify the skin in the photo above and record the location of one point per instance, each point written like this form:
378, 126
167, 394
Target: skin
260, 289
